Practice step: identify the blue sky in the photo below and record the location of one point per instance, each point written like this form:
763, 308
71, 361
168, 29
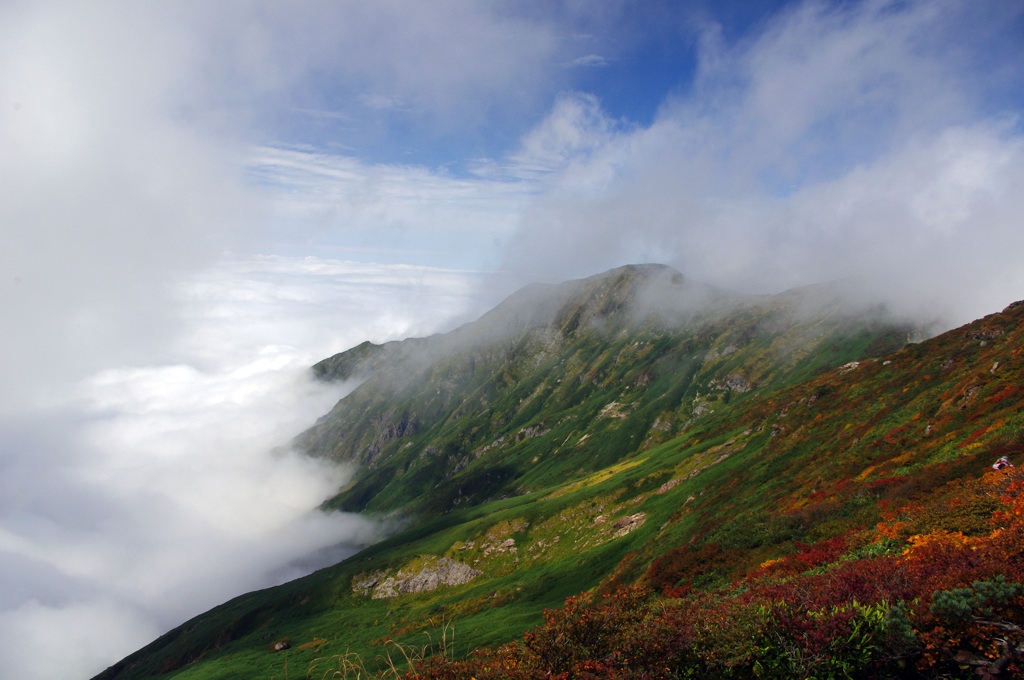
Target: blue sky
628, 131
457, 133
632, 56
199, 199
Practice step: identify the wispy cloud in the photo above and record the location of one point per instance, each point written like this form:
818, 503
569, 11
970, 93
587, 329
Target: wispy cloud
335, 200
380, 102
589, 60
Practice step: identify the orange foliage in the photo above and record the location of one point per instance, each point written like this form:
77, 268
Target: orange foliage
950, 601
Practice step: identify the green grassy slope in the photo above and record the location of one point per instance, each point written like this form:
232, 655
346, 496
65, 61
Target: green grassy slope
570, 379
755, 476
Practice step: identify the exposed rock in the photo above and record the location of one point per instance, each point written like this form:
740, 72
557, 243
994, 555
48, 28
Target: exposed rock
737, 383
624, 525
389, 428
614, 410
669, 485
363, 583
661, 425
443, 571
968, 396
497, 443
531, 431
701, 408
715, 354
722, 454
506, 546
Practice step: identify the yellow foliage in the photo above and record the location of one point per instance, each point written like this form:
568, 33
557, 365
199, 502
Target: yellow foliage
951, 538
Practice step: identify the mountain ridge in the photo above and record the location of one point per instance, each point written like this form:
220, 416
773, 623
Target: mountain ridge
637, 339
836, 457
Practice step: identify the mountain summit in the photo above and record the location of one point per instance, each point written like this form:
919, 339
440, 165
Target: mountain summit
562, 379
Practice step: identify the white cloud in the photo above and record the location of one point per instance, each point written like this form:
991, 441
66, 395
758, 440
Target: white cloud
452, 63
844, 140
40, 641
143, 494
589, 60
125, 128
564, 140
395, 211
100, 184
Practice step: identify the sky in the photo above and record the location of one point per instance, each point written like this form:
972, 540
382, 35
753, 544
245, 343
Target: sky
198, 200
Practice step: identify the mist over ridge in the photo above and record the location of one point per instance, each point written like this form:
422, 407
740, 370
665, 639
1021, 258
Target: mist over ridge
199, 201
562, 442
440, 422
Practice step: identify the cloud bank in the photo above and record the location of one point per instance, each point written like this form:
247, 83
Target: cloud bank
138, 496
144, 381
856, 140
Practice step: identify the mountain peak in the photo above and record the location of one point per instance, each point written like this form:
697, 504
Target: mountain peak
628, 295
635, 354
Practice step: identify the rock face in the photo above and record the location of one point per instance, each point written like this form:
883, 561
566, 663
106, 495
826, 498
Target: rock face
433, 573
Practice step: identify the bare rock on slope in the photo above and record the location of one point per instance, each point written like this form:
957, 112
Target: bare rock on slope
434, 573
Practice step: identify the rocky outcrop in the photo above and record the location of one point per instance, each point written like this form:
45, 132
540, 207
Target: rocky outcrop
387, 427
737, 383
531, 432
624, 525
615, 410
431, 573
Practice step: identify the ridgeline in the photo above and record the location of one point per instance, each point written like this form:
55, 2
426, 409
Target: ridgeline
725, 485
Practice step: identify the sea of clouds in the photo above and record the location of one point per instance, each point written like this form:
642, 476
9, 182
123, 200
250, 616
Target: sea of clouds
149, 385
140, 495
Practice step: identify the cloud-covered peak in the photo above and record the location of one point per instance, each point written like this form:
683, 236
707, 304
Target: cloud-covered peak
840, 141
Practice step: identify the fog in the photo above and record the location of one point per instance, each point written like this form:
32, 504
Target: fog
196, 200
139, 496
864, 140
148, 378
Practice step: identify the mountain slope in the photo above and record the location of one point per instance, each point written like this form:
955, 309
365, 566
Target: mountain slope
864, 454
559, 380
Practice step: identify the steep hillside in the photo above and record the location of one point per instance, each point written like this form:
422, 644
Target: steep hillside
559, 380
796, 524
874, 529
